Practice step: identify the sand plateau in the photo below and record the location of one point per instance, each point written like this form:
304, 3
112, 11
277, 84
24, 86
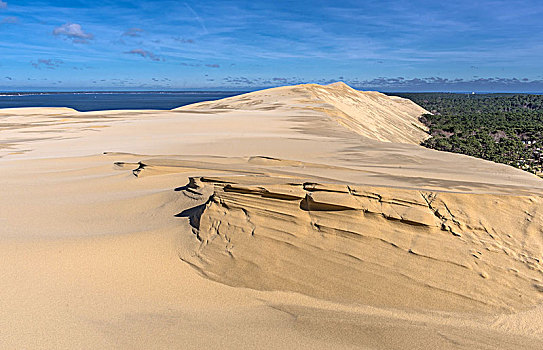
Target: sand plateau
297, 217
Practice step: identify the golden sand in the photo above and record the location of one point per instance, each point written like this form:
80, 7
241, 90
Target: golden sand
296, 217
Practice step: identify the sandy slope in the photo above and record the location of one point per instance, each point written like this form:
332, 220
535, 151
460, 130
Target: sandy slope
296, 217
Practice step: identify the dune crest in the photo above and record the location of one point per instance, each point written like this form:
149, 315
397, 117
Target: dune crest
369, 113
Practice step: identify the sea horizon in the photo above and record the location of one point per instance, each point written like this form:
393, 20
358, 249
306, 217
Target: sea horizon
246, 90
86, 101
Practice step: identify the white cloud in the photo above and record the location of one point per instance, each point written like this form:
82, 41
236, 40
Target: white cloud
74, 32
3, 4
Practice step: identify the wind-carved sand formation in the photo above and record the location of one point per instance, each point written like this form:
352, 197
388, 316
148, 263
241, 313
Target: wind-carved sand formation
316, 200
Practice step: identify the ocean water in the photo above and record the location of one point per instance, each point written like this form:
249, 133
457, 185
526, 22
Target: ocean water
97, 101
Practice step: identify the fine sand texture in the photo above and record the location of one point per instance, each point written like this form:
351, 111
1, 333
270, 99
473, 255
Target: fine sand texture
299, 217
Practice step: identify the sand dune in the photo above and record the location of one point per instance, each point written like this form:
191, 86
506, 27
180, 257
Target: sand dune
368, 113
295, 217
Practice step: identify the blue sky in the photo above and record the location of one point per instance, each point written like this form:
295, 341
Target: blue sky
419, 45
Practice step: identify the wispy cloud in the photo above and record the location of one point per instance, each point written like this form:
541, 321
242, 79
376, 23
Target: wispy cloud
492, 84
47, 63
163, 80
439, 83
74, 32
144, 54
133, 32
244, 81
3, 4
183, 40
198, 18
209, 65
190, 64
9, 20
280, 80
495, 84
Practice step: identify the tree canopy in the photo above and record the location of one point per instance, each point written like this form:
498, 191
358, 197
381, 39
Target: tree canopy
504, 128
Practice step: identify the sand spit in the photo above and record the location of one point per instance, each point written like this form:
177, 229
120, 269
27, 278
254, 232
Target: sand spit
295, 217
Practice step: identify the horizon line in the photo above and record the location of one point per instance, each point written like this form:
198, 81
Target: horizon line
217, 90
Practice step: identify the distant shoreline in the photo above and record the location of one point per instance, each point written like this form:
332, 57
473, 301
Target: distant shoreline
25, 93
22, 93
86, 101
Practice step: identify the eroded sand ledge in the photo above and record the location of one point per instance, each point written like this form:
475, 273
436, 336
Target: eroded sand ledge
344, 243
313, 206
385, 246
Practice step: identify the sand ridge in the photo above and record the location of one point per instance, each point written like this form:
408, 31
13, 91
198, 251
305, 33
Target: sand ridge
368, 113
